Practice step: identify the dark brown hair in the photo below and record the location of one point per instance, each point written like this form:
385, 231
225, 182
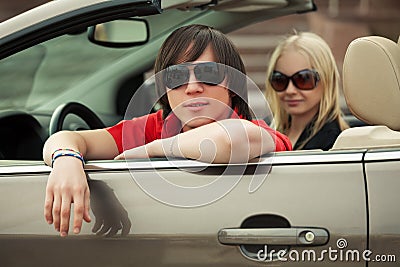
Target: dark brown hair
175, 51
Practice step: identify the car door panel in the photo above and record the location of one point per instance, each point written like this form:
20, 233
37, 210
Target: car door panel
314, 193
382, 172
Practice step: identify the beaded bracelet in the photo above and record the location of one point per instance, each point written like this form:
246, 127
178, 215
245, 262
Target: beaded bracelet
71, 153
66, 149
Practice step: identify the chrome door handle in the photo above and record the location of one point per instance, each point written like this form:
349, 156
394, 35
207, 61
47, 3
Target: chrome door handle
274, 236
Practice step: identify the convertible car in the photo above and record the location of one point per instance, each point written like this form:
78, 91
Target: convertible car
77, 64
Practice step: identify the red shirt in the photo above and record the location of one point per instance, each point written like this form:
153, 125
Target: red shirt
139, 131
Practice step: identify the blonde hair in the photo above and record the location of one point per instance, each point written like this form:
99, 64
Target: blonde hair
320, 56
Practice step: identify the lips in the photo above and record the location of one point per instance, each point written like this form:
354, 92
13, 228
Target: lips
293, 103
196, 105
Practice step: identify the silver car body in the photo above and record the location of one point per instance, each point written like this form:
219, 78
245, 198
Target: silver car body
313, 208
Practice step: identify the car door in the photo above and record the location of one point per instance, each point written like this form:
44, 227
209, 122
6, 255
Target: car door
306, 209
382, 171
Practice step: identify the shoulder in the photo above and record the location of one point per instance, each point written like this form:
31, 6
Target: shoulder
326, 137
331, 128
152, 118
137, 131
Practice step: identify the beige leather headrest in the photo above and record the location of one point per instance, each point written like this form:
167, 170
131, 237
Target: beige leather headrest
371, 80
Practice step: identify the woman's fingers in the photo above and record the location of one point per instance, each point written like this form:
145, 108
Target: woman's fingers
65, 215
120, 156
81, 209
56, 212
48, 206
57, 208
140, 151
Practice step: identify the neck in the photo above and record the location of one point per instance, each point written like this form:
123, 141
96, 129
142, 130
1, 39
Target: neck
298, 124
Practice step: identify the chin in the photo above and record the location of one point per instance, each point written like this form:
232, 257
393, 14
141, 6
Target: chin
294, 111
197, 122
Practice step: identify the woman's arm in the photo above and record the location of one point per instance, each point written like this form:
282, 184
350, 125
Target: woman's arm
93, 144
225, 141
67, 182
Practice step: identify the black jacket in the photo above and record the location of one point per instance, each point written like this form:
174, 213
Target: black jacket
324, 139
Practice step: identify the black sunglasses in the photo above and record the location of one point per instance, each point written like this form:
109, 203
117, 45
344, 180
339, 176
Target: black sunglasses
303, 80
210, 73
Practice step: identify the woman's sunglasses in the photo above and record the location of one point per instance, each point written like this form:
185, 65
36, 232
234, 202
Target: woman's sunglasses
210, 73
303, 80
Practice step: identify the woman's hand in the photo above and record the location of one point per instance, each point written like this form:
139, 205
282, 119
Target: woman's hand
150, 150
67, 184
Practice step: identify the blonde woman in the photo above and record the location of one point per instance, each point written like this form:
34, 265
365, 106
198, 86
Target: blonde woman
302, 88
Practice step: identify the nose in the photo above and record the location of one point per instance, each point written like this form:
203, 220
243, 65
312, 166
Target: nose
291, 89
193, 86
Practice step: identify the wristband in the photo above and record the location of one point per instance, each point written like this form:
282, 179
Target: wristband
67, 154
66, 149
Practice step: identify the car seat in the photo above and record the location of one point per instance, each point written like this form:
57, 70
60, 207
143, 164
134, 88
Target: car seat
371, 86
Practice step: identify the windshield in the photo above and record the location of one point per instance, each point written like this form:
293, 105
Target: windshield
43, 72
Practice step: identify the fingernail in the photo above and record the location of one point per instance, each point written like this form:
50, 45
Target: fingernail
49, 221
76, 230
63, 234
